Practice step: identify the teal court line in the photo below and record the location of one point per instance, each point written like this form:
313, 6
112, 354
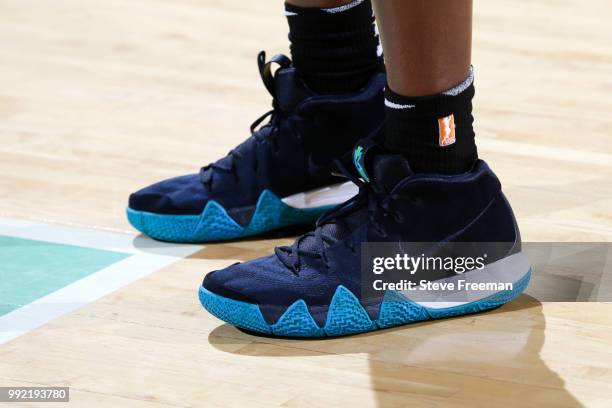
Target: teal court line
49, 270
31, 269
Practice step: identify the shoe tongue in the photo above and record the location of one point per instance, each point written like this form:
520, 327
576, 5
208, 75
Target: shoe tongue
289, 89
388, 170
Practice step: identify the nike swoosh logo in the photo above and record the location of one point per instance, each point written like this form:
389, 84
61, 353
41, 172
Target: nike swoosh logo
394, 105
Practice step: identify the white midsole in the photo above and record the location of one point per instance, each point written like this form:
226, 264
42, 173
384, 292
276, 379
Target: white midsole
332, 195
508, 270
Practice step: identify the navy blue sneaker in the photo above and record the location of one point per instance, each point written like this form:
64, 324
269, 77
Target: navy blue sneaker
278, 177
316, 287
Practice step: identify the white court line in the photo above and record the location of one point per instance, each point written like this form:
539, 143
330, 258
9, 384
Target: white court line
147, 256
91, 238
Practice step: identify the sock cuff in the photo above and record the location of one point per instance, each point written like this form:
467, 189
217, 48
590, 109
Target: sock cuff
463, 85
357, 9
346, 7
455, 99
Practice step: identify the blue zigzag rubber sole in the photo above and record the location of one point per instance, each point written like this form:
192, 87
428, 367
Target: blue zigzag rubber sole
346, 316
215, 224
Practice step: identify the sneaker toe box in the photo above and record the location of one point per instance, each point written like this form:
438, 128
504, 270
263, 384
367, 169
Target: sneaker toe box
230, 283
261, 281
184, 195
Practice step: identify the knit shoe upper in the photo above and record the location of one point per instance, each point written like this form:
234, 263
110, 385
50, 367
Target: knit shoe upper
290, 154
322, 270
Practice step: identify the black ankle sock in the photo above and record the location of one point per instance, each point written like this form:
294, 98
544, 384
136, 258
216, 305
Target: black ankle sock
435, 133
336, 50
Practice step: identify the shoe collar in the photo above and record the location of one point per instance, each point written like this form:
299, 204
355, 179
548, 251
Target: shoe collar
479, 170
390, 173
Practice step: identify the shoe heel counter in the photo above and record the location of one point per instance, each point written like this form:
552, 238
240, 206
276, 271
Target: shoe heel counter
496, 223
337, 123
357, 118
518, 241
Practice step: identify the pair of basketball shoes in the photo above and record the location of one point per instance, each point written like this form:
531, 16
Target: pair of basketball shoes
294, 170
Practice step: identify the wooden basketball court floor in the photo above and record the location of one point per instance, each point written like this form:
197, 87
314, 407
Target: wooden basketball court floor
99, 98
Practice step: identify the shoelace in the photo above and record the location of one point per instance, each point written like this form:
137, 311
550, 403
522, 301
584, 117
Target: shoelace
373, 199
266, 133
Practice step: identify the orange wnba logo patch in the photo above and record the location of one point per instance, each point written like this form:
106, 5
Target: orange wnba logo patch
447, 130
